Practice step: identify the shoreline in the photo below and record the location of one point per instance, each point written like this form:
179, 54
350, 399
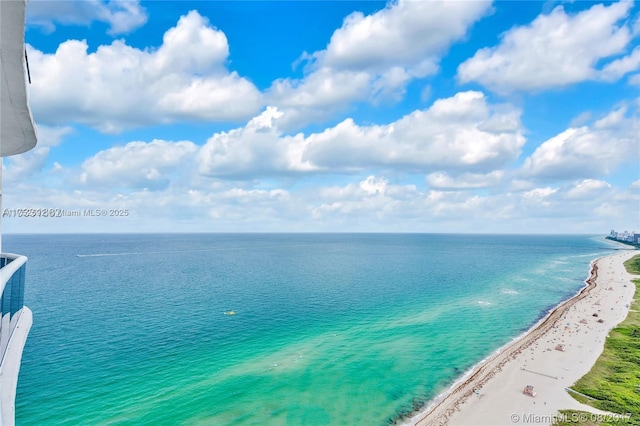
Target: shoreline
448, 404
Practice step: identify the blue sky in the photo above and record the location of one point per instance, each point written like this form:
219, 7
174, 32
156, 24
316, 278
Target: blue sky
407, 116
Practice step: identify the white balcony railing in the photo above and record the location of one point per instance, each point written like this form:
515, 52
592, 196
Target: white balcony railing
15, 323
12, 270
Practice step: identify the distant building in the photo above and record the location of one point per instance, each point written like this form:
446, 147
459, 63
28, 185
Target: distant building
625, 236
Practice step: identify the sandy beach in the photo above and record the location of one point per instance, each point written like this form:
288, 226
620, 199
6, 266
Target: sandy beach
492, 393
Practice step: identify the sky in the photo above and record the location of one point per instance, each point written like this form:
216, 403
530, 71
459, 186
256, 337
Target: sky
331, 116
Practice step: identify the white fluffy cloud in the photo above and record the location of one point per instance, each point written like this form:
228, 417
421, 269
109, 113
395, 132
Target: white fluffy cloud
588, 151
556, 50
407, 34
137, 164
317, 96
463, 132
31, 162
257, 149
357, 205
538, 196
615, 69
122, 16
443, 180
375, 56
120, 87
588, 188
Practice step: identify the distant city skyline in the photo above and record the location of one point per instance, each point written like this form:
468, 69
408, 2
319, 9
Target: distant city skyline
408, 116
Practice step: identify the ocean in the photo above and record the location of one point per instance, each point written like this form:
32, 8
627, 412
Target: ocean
327, 329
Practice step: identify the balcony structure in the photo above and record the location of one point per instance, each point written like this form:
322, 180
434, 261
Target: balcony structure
17, 135
15, 323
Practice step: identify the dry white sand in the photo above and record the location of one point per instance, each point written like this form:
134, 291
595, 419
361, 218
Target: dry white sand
493, 393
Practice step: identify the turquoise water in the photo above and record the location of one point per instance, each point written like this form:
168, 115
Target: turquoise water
329, 329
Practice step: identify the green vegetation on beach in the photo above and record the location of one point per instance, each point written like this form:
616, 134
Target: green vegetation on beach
614, 381
633, 265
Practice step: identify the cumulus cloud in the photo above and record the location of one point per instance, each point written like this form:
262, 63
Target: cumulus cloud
373, 197
137, 164
443, 180
539, 193
557, 49
119, 87
25, 165
616, 69
587, 188
317, 96
257, 149
588, 151
408, 34
463, 132
373, 185
374, 57
122, 16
